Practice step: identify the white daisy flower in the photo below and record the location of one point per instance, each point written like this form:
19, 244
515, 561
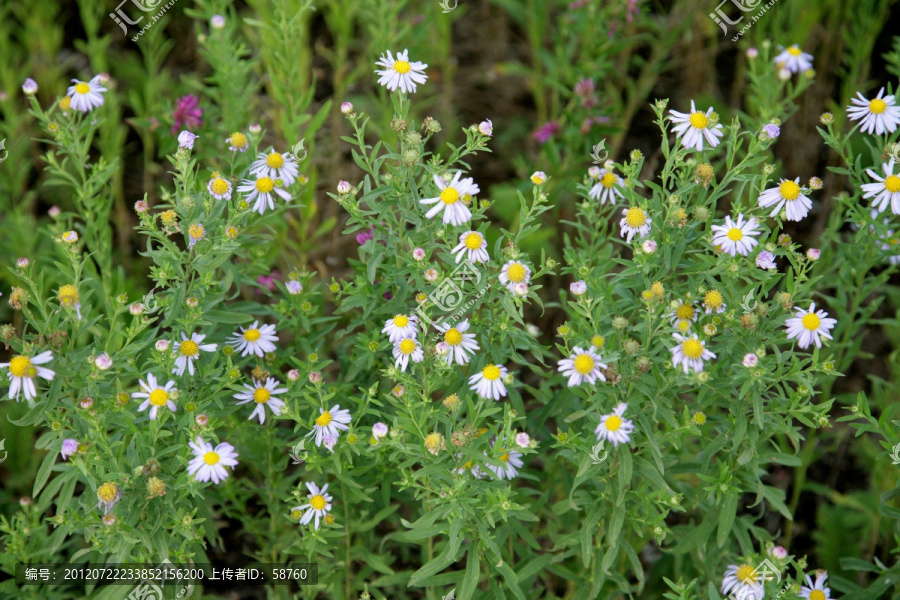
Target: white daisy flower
255, 340
512, 462
693, 127
156, 395
514, 272
262, 191
488, 383
714, 302
461, 344
690, 353
885, 191
613, 428
788, 195
582, 366
275, 165
330, 422
809, 326
879, 115
817, 590
473, 244
263, 394
794, 60
736, 237
607, 188
450, 199
634, 222
188, 350
86, 96
209, 463
318, 506
401, 327
468, 466
407, 349
400, 72
23, 370
220, 188
744, 582
683, 316
890, 242
238, 142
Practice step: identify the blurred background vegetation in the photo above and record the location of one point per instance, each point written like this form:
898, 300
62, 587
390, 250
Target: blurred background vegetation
555, 77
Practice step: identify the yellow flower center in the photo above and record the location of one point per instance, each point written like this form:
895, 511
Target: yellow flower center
505, 457
238, 140
692, 348
453, 336
318, 502
219, 186
608, 180
401, 321
713, 299
264, 185
19, 366
296, 513
491, 372
251, 335
811, 322
407, 346
107, 492
516, 272
795, 51
324, 419
261, 395
473, 241
877, 106
892, 184
211, 458
789, 190
196, 232
746, 574
402, 67
64, 103
613, 422
449, 196
275, 160
817, 595
82, 88
685, 312
699, 120
598, 341
159, 397
583, 364
189, 348
635, 217
734, 234
68, 295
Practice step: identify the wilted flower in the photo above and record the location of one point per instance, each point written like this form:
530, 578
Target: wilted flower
186, 139
771, 130
69, 447
578, 287
103, 362
343, 187
30, 87
294, 287
813, 254
217, 22
486, 128
752, 52
379, 430
750, 360
136, 308
187, 113
346, 108
523, 440
315, 377
22, 262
